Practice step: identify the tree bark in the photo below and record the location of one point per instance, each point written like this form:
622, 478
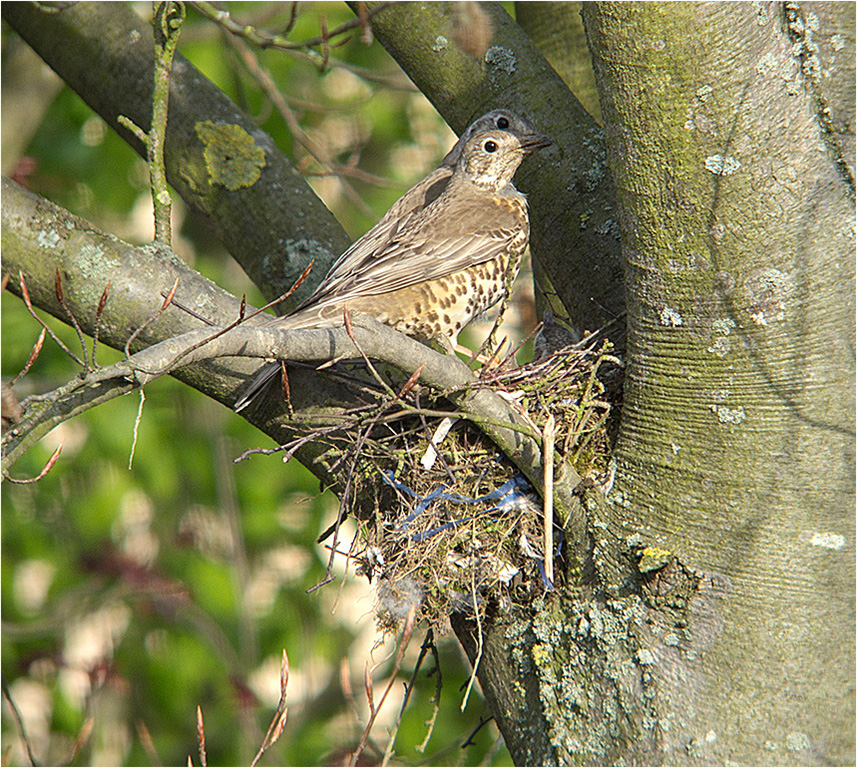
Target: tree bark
736, 445
557, 29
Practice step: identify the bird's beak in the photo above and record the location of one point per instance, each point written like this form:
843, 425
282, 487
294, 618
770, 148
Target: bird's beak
535, 141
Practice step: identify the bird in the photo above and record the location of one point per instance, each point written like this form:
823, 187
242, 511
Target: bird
442, 261
423, 193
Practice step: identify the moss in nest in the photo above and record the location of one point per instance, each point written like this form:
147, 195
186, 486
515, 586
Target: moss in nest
467, 531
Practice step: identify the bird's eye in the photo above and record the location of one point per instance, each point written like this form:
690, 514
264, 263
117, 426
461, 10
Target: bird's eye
490, 146
502, 123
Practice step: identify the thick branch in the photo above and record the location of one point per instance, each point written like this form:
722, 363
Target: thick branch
217, 159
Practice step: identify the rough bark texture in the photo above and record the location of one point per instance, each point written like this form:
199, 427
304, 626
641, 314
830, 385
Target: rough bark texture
574, 229
736, 448
557, 30
217, 158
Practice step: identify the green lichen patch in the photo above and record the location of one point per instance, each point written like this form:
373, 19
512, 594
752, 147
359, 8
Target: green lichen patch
232, 158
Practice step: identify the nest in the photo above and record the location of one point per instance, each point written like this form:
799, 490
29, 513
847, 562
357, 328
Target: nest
449, 524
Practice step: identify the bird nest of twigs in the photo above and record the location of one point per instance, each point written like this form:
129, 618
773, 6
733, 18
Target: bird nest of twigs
447, 523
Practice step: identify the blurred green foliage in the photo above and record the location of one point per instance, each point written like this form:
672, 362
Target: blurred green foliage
133, 595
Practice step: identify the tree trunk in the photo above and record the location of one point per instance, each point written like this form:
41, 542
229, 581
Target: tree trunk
557, 29
736, 446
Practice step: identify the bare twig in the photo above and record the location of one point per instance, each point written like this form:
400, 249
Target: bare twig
137, 421
47, 468
428, 643
82, 737
76, 325
7, 694
435, 699
287, 389
147, 742
266, 40
349, 329
242, 317
341, 514
397, 663
25, 294
275, 730
267, 84
200, 737
97, 325
167, 21
37, 347
482, 723
480, 642
166, 302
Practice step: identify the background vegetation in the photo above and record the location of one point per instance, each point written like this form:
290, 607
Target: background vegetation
122, 587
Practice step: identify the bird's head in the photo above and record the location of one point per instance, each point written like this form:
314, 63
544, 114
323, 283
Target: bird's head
496, 119
490, 158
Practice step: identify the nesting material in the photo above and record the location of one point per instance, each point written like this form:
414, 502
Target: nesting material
456, 527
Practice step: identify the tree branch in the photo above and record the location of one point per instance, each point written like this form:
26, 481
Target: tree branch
88, 260
104, 52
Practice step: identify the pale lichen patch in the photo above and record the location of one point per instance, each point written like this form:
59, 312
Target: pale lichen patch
48, 238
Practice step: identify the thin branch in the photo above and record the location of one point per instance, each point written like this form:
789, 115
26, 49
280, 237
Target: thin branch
269, 87
147, 742
242, 318
25, 295
97, 325
82, 737
7, 694
200, 737
266, 40
341, 513
480, 642
167, 21
435, 699
137, 421
397, 663
499, 419
164, 304
47, 468
37, 347
428, 643
275, 730
76, 325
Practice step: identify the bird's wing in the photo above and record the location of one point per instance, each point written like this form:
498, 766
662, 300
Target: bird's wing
362, 252
430, 245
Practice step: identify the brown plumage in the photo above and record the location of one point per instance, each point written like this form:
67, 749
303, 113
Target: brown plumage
437, 263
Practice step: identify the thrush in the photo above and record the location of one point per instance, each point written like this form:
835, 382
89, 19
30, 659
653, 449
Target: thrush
440, 262
423, 193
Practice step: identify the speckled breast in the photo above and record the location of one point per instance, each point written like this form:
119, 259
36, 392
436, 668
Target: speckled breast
444, 306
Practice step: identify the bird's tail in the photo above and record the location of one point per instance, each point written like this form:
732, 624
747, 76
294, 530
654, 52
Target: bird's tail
256, 385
